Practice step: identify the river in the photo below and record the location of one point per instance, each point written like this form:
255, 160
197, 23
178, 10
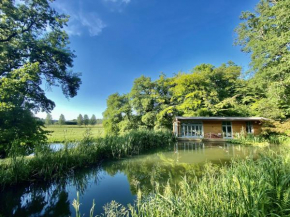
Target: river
117, 180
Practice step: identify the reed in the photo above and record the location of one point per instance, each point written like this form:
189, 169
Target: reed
260, 140
47, 164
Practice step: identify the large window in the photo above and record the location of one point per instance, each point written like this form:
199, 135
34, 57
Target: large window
249, 127
192, 130
227, 129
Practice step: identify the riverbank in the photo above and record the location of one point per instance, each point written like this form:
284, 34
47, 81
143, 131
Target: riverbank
47, 164
248, 187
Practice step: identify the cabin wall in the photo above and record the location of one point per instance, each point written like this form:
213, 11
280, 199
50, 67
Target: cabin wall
257, 128
238, 127
214, 127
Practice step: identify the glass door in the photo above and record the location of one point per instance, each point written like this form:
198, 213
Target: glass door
227, 129
191, 130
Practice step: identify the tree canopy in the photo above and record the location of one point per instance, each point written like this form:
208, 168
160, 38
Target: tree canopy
93, 120
80, 120
265, 34
86, 120
61, 120
48, 119
207, 90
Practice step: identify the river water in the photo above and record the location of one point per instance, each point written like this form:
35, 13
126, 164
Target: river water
117, 180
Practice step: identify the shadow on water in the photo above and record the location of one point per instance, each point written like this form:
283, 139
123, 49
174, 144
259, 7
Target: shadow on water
118, 180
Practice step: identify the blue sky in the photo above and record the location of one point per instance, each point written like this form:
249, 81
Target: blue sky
117, 41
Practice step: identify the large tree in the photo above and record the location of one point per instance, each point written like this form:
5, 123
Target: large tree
265, 34
118, 115
34, 51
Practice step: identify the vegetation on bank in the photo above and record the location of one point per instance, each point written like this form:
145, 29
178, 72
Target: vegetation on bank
47, 164
72, 133
272, 132
246, 187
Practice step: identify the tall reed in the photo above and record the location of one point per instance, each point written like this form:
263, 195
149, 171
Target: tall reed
48, 164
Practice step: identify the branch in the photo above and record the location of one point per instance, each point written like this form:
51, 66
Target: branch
15, 33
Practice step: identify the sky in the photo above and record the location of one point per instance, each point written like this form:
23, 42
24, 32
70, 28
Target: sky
117, 41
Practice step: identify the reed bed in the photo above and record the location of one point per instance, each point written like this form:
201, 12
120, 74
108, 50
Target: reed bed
47, 164
260, 140
245, 188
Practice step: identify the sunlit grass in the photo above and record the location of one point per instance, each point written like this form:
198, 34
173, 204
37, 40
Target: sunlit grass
71, 133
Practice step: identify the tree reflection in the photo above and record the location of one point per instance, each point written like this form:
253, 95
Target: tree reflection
44, 199
144, 172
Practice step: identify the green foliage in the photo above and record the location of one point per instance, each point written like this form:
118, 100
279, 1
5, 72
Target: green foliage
31, 55
265, 35
80, 120
93, 120
86, 120
48, 119
61, 120
19, 126
153, 104
118, 114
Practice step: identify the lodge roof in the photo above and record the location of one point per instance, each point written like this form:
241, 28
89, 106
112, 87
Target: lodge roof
222, 118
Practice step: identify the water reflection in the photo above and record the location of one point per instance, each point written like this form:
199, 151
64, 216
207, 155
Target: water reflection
118, 180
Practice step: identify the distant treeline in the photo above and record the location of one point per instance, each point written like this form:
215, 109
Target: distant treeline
81, 120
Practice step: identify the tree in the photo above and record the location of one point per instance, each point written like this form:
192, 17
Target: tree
48, 119
93, 120
86, 120
265, 34
61, 120
20, 126
80, 120
31, 55
118, 115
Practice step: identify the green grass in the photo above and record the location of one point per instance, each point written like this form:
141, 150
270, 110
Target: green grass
71, 133
245, 188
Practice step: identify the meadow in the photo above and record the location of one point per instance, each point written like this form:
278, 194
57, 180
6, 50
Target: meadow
72, 133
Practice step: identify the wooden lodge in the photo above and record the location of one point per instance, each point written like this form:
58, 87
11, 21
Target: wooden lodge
215, 128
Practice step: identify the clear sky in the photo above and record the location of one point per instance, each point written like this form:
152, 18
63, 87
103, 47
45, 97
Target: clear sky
117, 41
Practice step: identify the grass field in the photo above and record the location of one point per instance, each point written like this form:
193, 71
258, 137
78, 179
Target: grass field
72, 132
